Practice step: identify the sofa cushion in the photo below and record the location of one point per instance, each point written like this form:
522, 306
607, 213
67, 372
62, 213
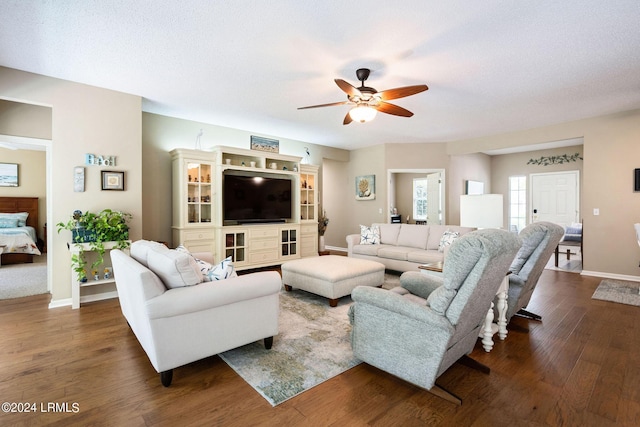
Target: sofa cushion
424, 256
413, 235
447, 239
369, 235
435, 235
175, 269
140, 249
389, 233
371, 250
394, 252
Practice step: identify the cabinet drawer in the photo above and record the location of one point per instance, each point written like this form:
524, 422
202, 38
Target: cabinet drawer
199, 246
263, 256
198, 235
259, 233
309, 229
260, 244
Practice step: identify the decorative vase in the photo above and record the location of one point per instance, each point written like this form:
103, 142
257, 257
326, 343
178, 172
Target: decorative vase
321, 243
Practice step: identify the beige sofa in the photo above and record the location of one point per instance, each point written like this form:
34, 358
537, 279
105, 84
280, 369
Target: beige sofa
403, 247
178, 322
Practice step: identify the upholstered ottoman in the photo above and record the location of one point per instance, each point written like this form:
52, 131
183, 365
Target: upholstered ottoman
331, 276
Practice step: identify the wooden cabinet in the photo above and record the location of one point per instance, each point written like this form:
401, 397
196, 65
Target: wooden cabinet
198, 223
308, 210
193, 199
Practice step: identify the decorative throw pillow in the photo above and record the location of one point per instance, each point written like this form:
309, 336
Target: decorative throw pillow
221, 271
447, 239
573, 234
8, 222
369, 235
210, 272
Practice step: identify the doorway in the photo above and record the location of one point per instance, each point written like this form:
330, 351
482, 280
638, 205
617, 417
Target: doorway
400, 193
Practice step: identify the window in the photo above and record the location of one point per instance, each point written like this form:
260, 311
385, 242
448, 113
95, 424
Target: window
420, 199
517, 203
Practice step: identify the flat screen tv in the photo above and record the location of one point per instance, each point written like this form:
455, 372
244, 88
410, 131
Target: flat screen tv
255, 198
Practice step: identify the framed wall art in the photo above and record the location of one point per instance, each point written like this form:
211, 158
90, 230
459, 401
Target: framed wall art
473, 187
366, 187
265, 144
112, 180
9, 175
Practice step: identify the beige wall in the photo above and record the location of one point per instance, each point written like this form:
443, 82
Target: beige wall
26, 120
611, 152
85, 119
506, 165
474, 167
161, 134
32, 166
336, 200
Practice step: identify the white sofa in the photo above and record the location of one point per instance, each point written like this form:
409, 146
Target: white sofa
179, 325
403, 247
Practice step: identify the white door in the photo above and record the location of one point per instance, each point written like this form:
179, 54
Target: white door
555, 197
433, 196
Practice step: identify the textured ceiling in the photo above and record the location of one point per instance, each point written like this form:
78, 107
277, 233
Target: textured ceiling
491, 66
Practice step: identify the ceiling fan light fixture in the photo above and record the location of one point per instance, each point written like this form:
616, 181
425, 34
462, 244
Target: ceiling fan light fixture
363, 113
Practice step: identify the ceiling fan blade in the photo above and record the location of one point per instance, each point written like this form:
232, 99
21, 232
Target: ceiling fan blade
401, 92
347, 119
385, 107
324, 105
348, 88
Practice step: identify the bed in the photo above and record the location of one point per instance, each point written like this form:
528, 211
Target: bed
19, 243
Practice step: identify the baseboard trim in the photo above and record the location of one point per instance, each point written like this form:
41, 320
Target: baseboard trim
87, 298
336, 248
611, 275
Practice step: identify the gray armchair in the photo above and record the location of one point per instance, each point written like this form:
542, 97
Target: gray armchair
419, 331
539, 241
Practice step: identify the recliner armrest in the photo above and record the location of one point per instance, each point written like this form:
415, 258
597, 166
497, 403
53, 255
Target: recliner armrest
207, 295
393, 302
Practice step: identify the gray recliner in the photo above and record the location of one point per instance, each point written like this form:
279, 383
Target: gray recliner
539, 241
417, 332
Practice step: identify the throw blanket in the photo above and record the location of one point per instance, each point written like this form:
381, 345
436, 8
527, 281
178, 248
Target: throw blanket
18, 240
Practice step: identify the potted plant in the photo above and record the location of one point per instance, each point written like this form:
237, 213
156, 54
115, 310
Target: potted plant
323, 221
95, 229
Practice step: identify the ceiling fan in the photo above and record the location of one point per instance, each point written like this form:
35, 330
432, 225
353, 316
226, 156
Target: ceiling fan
368, 101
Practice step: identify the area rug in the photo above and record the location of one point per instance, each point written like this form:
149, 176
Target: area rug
21, 280
619, 291
313, 346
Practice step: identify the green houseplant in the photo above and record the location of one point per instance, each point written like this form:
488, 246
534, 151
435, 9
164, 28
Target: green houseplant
95, 229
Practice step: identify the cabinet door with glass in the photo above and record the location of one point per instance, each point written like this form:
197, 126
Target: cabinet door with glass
235, 245
199, 193
289, 241
308, 193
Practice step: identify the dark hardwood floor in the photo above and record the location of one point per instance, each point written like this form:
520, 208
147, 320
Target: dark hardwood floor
579, 367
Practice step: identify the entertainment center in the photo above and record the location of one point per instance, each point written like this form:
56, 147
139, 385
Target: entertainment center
260, 208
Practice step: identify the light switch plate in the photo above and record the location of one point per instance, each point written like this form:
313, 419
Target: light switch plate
596, 211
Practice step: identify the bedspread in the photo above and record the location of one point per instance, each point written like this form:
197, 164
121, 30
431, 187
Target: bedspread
19, 240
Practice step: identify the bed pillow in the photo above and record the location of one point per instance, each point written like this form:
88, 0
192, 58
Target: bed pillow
21, 217
8, 222
369, 235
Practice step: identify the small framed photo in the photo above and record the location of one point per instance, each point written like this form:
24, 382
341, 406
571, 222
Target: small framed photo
112, 180
265, 144
9, 175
